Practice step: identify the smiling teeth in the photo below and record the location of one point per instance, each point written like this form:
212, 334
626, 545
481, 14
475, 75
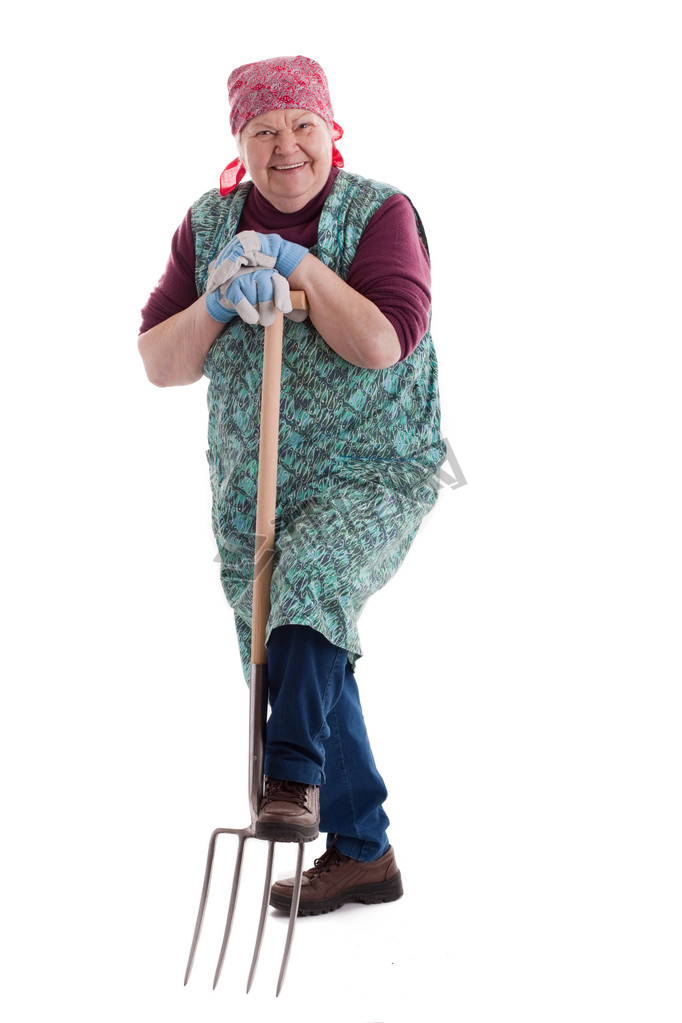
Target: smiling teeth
290, 166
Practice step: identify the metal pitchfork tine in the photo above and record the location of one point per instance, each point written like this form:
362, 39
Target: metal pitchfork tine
258, 696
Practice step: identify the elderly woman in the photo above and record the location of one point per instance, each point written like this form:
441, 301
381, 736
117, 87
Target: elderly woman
360, 442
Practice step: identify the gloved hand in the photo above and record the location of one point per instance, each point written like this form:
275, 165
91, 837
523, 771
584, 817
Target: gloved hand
287, 254
252, 294
248, 248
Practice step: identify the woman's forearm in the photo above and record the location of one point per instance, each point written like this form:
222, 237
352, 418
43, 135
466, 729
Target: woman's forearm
175, 350
350, 324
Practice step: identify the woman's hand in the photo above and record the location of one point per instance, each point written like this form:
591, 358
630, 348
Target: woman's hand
252, 294
249, 248
350, 324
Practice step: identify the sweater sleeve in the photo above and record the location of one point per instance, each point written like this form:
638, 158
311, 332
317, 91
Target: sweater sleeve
176, 289
391, 268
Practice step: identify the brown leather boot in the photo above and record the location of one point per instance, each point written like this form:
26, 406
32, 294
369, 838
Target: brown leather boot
289, 811
336, 879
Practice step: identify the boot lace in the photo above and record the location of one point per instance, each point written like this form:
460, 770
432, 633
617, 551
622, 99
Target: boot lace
277, 791
324, 863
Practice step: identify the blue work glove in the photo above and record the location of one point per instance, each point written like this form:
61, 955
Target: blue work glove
287, 254
252, 294
248, 248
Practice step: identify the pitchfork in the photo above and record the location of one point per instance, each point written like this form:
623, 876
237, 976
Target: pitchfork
258, 697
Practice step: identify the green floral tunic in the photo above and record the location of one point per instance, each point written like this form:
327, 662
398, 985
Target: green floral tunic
359, 449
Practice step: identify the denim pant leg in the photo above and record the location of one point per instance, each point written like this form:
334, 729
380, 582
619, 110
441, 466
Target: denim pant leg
351, 799
316, 734
305, 679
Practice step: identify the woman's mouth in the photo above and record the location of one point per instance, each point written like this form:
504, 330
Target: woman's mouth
289, 166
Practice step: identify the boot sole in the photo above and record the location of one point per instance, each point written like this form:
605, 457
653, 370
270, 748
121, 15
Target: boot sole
275, 832
368, 894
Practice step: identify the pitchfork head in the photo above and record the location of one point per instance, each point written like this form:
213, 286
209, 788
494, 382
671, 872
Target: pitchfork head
257, 714
243, 834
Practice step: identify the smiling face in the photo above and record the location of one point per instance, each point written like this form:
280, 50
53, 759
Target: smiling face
288, 154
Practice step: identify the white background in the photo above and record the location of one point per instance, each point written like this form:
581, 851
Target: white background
521, 677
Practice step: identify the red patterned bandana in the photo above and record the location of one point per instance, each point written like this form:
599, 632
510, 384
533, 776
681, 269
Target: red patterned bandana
281, 83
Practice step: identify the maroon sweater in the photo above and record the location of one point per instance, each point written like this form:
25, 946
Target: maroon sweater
391, 267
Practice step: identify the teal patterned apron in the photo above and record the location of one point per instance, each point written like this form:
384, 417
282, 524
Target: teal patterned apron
359, 449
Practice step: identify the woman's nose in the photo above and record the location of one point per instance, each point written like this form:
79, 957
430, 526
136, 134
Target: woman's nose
286, 142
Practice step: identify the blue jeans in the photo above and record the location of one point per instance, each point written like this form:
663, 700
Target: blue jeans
316, 734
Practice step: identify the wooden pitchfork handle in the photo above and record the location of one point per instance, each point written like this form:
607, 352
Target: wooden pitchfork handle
265, 544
